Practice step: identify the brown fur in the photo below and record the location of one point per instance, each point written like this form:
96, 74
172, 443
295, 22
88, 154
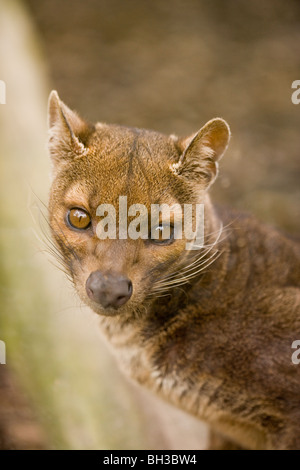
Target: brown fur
219, 345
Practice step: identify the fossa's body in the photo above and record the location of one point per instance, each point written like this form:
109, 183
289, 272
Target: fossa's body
209, 330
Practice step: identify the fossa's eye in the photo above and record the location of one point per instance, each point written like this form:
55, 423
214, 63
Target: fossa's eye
162, 234
79, 218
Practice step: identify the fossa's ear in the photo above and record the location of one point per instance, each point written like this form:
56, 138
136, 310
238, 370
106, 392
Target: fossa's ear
68, 133
202, 151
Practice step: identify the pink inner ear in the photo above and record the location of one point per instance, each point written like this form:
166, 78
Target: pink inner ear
199, 161
218, 141
214, 135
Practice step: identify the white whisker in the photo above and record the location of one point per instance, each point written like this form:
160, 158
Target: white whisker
185, 279
193, 269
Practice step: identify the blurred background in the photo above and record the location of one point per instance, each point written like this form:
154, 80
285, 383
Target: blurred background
170, 66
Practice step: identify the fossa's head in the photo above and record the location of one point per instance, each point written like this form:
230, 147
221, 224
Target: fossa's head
95, 165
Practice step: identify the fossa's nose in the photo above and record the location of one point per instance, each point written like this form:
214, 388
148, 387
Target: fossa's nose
108, 289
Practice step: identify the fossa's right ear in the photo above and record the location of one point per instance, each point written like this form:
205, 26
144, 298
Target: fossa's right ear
68, 132
202, 151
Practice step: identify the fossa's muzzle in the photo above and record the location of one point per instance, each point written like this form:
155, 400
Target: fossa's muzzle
111, 290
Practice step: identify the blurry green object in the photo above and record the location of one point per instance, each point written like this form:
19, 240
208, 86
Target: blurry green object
53, 349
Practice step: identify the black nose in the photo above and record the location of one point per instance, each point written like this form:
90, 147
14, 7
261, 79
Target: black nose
108, 289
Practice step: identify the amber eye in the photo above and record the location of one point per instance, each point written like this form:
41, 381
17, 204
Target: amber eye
79, 218
162, 234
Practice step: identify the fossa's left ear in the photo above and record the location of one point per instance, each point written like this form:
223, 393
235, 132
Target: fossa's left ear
202, 151
68, 132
